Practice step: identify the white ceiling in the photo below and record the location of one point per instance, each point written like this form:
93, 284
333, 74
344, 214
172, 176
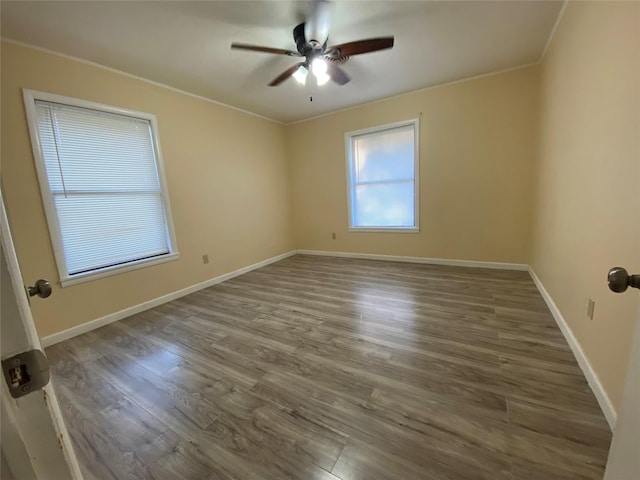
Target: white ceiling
186, 44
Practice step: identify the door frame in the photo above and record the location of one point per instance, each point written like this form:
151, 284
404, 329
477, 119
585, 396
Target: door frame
623, 461
37, 416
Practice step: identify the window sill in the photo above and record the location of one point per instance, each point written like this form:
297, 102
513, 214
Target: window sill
109, 271
385, 229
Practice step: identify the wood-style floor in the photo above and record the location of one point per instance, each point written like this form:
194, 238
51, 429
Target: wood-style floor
327, 368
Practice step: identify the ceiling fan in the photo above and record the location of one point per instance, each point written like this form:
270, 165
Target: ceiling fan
311, 43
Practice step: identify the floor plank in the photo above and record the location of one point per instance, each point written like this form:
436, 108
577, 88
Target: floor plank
335, 369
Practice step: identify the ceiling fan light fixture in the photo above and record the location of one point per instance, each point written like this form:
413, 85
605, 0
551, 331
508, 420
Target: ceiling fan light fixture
301, 75
318, 67
322, 79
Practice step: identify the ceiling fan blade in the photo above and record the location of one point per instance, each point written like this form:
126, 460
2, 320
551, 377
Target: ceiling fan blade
286, 74
362, 46
258, 48
317, 24
337, 74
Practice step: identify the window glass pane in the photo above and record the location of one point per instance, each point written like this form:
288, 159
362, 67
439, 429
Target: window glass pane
384, 156
384, 205
103, 230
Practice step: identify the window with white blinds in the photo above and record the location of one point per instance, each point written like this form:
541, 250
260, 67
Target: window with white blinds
382, 164
102, 184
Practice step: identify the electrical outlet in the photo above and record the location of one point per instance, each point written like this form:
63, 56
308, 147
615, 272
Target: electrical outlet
591, 305
333, 236
205, 258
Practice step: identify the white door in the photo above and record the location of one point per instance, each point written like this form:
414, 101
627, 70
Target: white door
35, 442
624, 455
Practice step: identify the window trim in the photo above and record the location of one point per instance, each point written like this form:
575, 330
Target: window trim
30, 97
415, 122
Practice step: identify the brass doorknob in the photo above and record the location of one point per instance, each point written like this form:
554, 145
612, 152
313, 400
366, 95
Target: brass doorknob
619, 280
42, 288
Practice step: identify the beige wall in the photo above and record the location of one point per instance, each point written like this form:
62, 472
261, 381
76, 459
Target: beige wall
477, 151
226, 173
588, 183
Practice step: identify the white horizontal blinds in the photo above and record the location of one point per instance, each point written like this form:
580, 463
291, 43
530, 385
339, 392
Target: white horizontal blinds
383, 177
102, 172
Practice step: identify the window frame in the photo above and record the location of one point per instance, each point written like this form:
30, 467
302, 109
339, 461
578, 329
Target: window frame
349, 136
30, 97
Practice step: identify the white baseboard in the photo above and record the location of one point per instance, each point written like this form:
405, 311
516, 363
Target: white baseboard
127, 312
590, 374
432, 261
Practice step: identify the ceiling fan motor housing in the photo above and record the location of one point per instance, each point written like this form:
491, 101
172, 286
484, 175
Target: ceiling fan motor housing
305, 47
